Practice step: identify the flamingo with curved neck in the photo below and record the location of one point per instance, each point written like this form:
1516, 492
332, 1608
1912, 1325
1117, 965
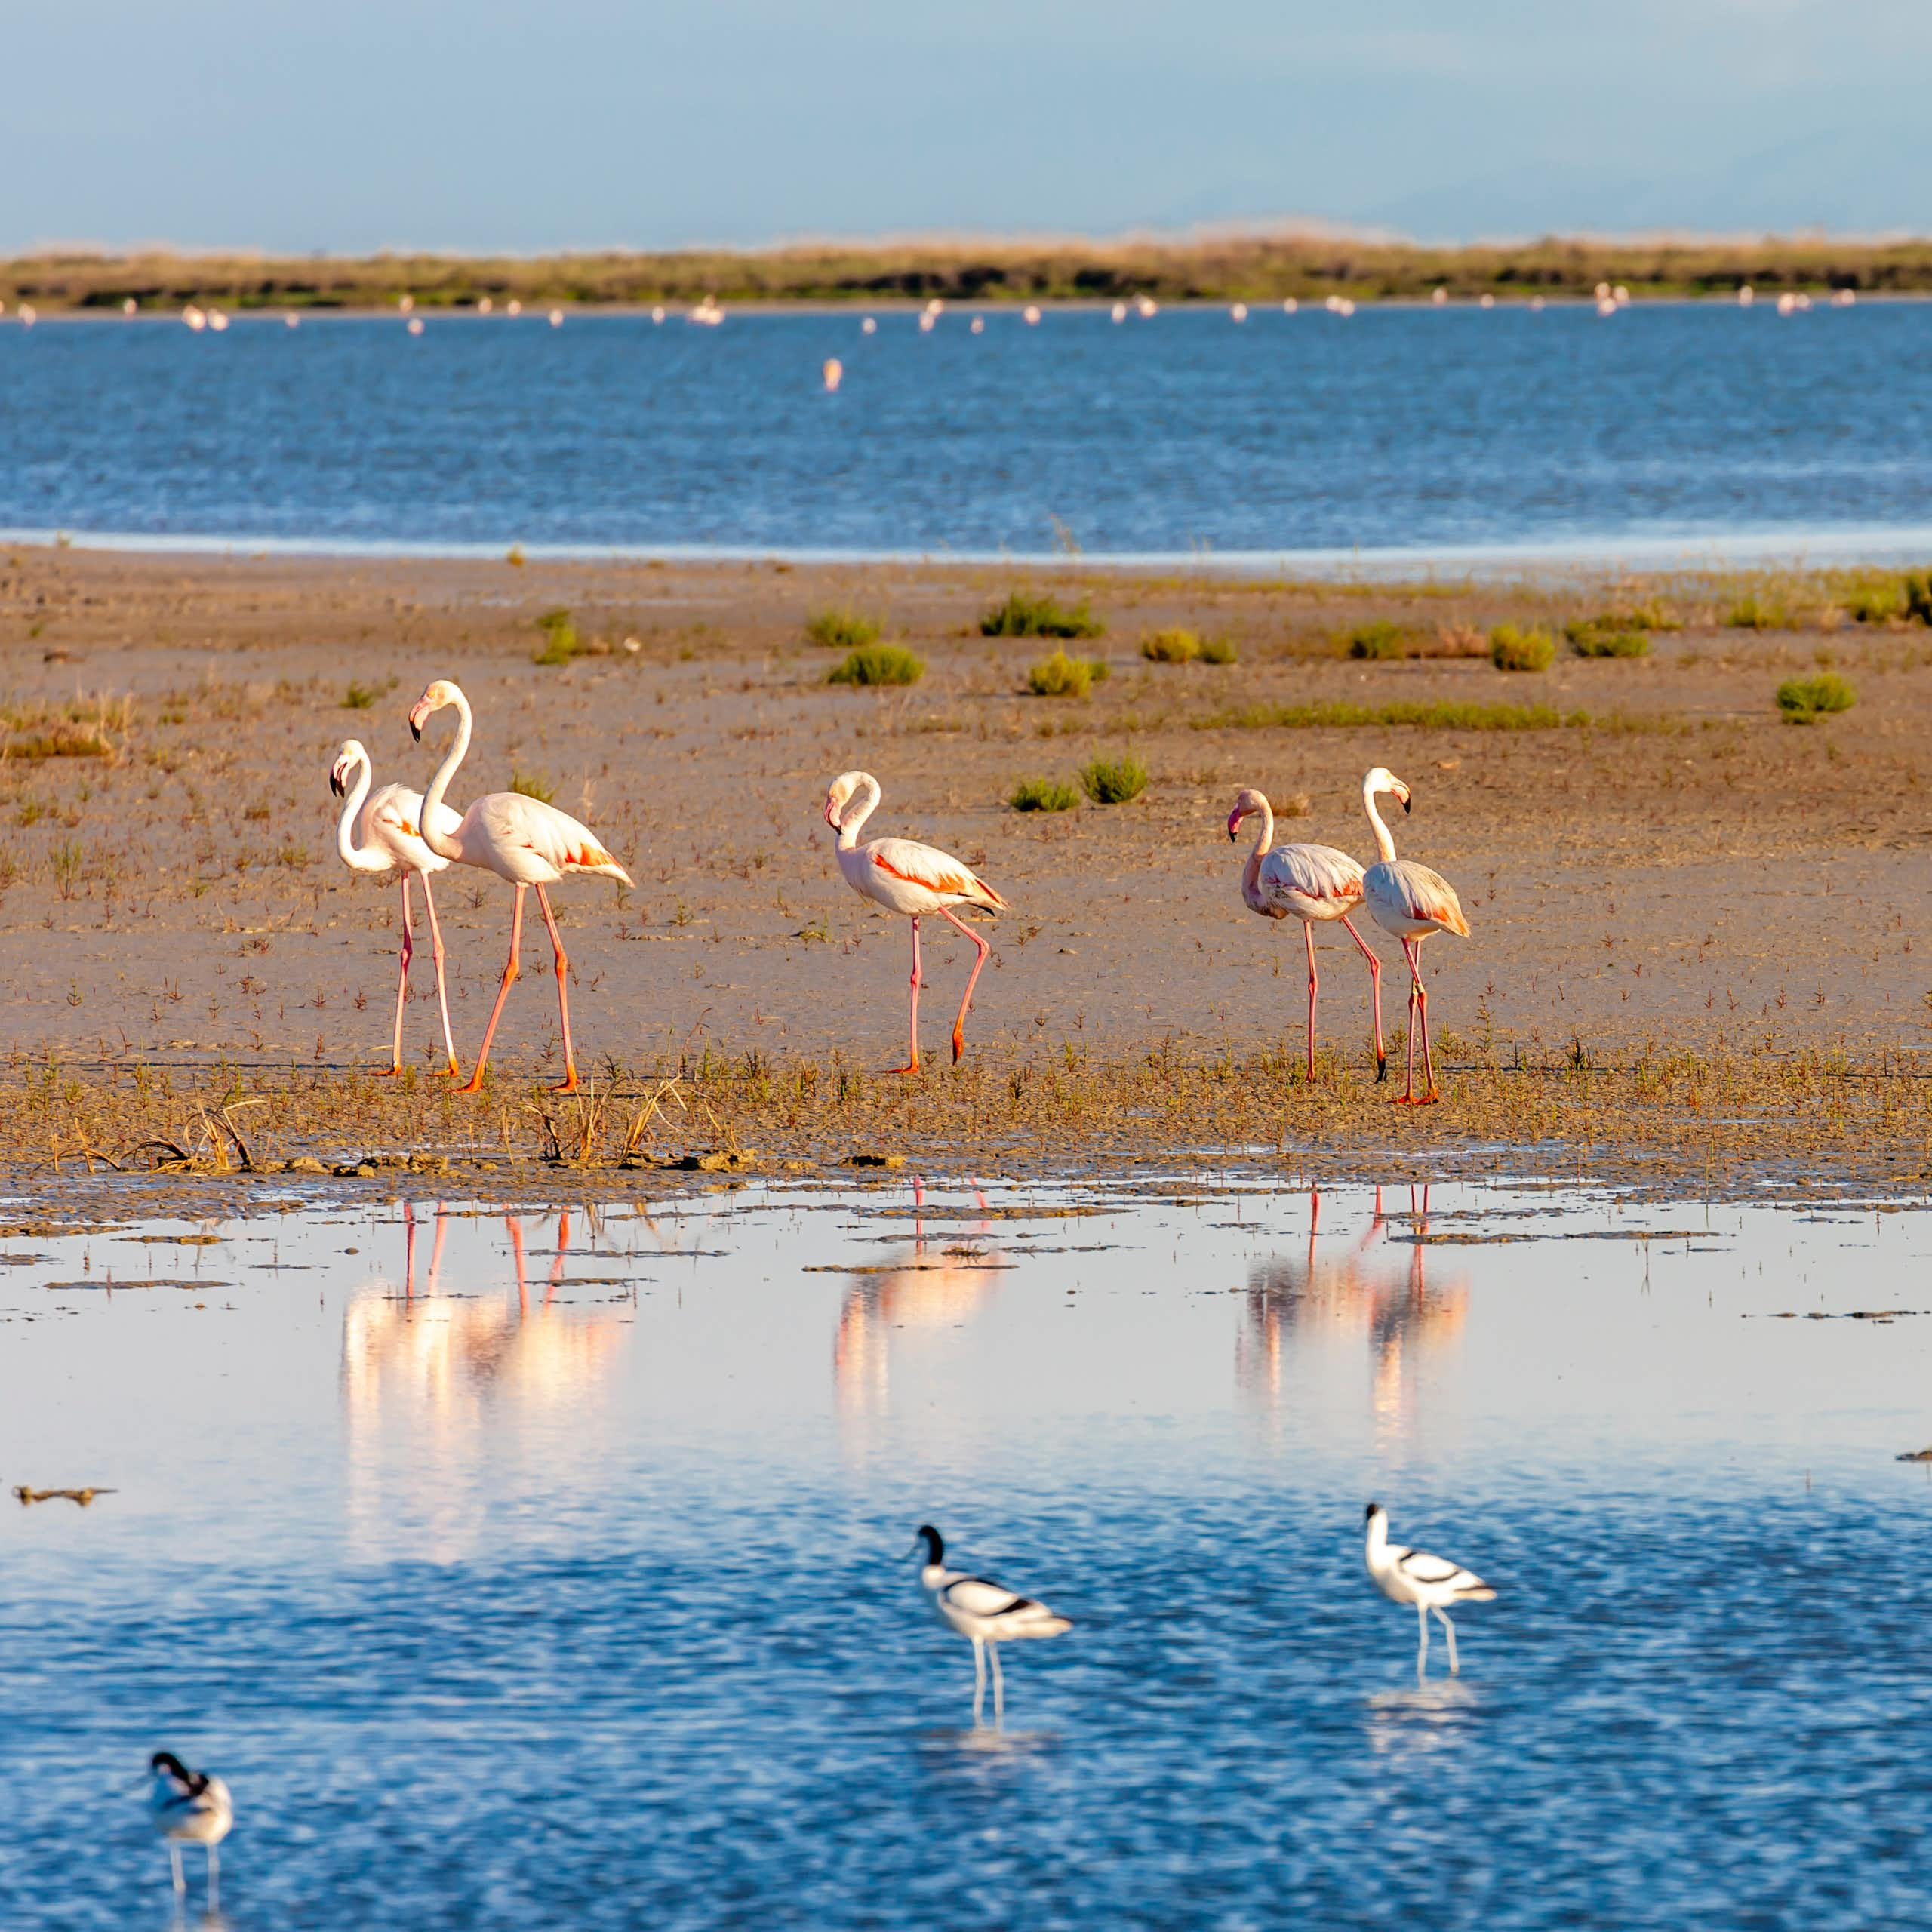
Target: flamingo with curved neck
1411, 902
520, 839
1314, 883
388, 828
905, 877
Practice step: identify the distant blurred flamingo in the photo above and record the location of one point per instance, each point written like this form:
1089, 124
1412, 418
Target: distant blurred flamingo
1310, 883
906, 877
1411, 902
520, 839
380, 835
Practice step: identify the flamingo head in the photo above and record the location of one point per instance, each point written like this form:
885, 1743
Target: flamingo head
1383, 779
442, 693
839, 794
1249, 802
351, 754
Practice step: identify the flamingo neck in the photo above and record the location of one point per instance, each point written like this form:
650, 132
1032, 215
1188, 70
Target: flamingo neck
358, 858
1385, 846
858, 807
1264, 838
439, 841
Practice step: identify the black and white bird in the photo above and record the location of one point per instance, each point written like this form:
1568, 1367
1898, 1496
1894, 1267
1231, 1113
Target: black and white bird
189, 1808
1429, 1582
987, 1614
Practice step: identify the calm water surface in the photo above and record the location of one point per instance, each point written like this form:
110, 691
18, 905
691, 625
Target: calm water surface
1659, 433
530, 1571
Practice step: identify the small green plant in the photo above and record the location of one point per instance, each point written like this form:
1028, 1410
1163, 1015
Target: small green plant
843, 630
879, 664
560, 638
1170, 647
1877, 603
1218, 650
1511, 649
1022, 615
1379, 638
1753, 612
1805, 701
1042, 794
1598, 637
358, 697
1917, 588
1113, 781
1062, 676
534, 784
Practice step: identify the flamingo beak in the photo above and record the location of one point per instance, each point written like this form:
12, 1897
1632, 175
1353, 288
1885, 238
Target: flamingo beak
1235, 818
417, 713
1405, 801
832, 812
335, 780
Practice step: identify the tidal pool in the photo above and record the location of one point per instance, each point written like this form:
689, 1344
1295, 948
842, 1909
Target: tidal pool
541, 1569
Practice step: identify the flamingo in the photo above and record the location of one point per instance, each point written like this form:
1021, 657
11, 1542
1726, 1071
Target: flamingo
379, 835
1411, 902
904, 876
1310, 883
519, 838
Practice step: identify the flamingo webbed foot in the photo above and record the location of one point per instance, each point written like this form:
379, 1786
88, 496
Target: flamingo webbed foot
911, 1066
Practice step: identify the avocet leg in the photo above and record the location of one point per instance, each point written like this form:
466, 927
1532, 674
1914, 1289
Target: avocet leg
999, 1687
214, 1878
1449, 1631
1422, 1651
979, 1679
174, 1865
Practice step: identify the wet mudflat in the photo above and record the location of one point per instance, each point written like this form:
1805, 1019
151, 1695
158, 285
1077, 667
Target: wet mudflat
542, 1570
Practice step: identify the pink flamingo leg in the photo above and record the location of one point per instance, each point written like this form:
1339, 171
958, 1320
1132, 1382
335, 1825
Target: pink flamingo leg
394, 1067
959, 1025
409, 1251
475, 1085
1314, 986
1422, 1003
516, 1227
568, 1084
1375, 994
436, 1250
912, 1063
442, 993
1407, 1097
557, 1265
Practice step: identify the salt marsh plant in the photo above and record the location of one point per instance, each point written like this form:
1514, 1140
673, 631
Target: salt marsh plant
1513, 649
358, 697
1431, 714
1218, 650
1174, 646
1042, 794
879, 664
1377, 639
560, 638
534, 784
843, 630
1602, 637
1062, 676
1805, 701
1753, 612
1113, 781
1025, 615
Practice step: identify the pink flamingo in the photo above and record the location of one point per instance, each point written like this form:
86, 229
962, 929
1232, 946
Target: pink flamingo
1411, 902
904, 876
1310, 883
520, 839
379, 835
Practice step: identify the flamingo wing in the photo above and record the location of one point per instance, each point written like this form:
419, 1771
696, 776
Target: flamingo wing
531, 836
939, 873
1316, 874
1424, 895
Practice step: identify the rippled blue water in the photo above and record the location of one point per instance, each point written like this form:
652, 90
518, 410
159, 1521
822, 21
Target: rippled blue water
1448, 433
576, 1596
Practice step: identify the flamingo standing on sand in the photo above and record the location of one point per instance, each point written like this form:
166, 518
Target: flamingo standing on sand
519, 838
379, 835
904, 876
1411, 902
1310, 883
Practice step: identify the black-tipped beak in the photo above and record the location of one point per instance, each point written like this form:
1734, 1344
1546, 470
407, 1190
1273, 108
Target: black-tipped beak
1405, 804
335, 782
416, 732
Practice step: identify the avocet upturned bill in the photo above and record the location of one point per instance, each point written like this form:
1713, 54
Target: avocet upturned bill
986, 1613
189, 1808
1413, 1576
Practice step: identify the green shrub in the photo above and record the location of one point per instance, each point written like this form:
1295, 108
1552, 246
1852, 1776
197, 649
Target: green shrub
843, 630
1917, 588
1113, 781
1874, 603
1170, 647
1379, 639
1754, 613
879, 664
1513, 650
560, 643
1043, 794
534, 784
1218, 650
1596, 637
1062, 676
1804, 700
358, 697
1024, 616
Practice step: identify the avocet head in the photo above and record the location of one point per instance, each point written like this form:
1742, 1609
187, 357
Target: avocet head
1383, 779
1373, 1510
1248, 800
929, 1539
838, 795
351, 754
169, 1769
442, 693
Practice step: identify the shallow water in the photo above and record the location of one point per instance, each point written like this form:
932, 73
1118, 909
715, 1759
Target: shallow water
1451, 434
530, 1571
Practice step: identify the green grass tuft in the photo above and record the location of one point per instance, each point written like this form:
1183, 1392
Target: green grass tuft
1753, 612
1804, 700
358, 697
1062, 676
1113, 781
1430, 714
879, 664
1599, 637
1380, 638
1917, 588
1042, 794
1170, 647
534, 784
843, 630
1218, 650
1511, 649
560, 639
1024, 616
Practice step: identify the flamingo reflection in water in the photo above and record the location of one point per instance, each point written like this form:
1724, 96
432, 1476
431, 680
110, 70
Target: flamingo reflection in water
920, 1289
1400, 1313
426, 1374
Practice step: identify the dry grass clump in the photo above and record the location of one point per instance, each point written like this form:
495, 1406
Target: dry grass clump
1024, 614
1172, 646
1601, 637
1431, 715
879, 664
1512, 648
96, 729
843, 630
1062, 676
560, 639
1378, 638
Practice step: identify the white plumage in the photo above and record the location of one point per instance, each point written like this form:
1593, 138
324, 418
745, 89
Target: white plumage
1429, 1582
189, 1808
986, 1613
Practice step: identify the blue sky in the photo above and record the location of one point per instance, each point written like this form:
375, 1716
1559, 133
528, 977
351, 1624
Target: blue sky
353, 124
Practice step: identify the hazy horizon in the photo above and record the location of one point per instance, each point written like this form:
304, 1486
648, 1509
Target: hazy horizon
417, 126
